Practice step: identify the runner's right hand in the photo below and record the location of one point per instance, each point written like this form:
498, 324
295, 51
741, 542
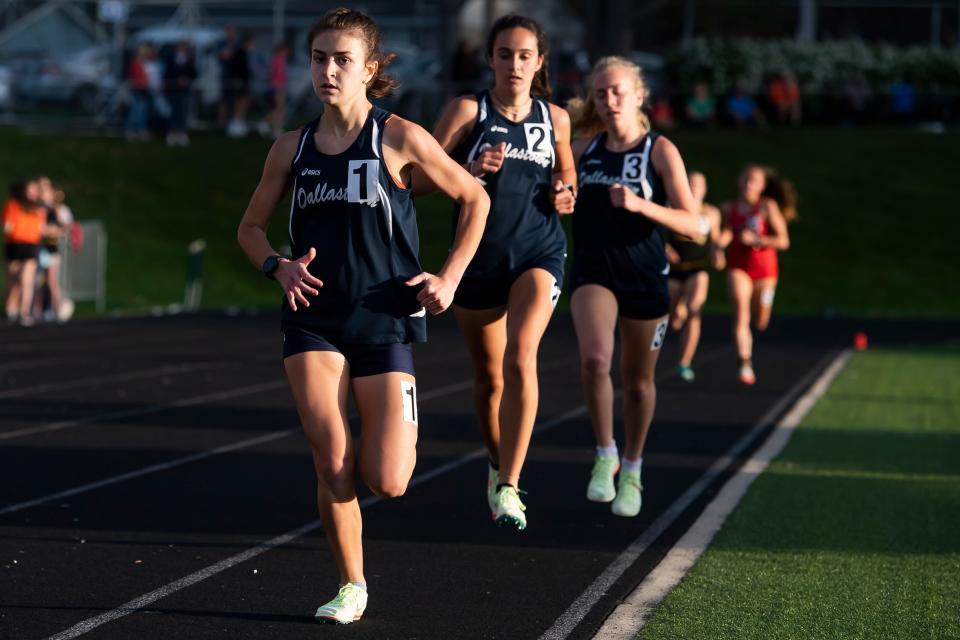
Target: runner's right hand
489, 161
295, 280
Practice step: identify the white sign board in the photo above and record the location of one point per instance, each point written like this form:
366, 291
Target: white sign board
112, 11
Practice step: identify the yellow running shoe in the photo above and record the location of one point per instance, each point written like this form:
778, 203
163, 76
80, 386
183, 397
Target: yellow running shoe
601, 488
510, 510
627, 503
347, 607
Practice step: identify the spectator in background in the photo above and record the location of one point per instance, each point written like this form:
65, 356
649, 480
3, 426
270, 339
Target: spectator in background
23, 221
903, 100
225, 51
46, 302
158, 109
240, 75
701, 106
742, 108
64, 305
784, 96
857, 93
139, 82
661, 113
272, 123
178, 75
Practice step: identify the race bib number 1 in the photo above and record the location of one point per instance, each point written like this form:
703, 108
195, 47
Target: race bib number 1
362, 180
409, 401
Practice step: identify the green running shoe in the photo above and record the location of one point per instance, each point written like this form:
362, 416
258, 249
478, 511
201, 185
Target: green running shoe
493, 479
510, 510
347, 607
627, 503
686, 373
601, 488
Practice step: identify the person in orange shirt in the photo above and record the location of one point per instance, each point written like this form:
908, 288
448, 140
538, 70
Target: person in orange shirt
23, 223
785, 98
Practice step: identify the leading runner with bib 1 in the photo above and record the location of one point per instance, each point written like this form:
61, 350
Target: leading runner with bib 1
356, 295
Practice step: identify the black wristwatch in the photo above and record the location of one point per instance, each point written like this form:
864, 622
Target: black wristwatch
270, 265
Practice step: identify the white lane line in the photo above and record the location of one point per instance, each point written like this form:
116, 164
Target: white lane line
567, 622
210, 453
97, 380
139, 411
154, 468
136, 604
630, 616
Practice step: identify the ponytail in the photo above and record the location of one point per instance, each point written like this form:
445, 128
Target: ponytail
780, 190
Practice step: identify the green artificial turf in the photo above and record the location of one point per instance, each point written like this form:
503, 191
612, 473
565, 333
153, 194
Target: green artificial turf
853, 531
876, 235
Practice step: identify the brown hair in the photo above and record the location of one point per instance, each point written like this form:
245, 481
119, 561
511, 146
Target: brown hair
583, 111
366, 29
18, 193
778, 189
541, 81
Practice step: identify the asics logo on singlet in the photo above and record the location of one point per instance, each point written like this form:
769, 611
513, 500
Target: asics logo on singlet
310, 172
499, 129
599, 177
517, 153
322, 193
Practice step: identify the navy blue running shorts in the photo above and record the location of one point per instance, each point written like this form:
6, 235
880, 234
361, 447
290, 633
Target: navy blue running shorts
362, 359
636, 305
489, 293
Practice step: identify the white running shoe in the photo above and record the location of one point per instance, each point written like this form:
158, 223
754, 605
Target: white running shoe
510, 509
601, 487
493, 479
628, 500
347, 607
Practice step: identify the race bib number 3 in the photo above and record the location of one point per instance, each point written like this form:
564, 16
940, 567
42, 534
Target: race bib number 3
631, 167
409, 391
363, 177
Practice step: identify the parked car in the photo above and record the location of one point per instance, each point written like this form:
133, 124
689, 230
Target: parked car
77, 79
6, 95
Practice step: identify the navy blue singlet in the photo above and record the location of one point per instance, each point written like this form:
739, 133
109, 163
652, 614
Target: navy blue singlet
626, 246
364, 228
522, 228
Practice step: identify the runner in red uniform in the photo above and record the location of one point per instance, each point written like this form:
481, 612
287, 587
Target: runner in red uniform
754, 230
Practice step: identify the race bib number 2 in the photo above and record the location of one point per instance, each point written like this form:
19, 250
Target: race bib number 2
538, 137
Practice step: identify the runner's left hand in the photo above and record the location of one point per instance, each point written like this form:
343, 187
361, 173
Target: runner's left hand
436, 296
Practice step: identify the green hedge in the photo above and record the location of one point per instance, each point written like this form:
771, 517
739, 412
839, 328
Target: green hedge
820, 67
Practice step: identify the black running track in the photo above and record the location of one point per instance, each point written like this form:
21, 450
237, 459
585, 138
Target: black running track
82, 405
